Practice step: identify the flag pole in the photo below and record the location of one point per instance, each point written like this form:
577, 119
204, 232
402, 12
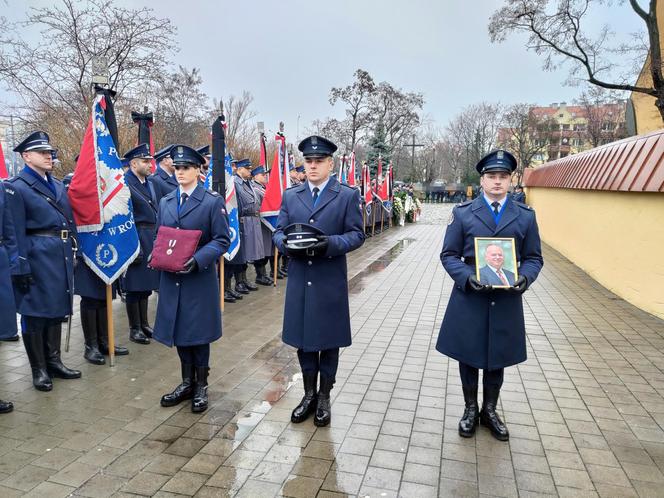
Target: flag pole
109, 321
373, 217
382, 216
222, 282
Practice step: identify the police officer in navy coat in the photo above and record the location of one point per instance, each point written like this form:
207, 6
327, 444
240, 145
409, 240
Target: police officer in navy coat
139, 281
163, 179
45, 233
483, 327
259, 183
189, 312
316, 314
9, 265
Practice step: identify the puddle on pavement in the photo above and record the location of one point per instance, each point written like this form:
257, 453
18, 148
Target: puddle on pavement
358, 283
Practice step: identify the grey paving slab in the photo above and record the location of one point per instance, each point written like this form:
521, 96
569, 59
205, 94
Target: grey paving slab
585, 412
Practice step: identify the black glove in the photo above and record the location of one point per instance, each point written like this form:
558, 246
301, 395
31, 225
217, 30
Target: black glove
189, 267
519, 286
138, 260
320, 247
475, 285
23, 282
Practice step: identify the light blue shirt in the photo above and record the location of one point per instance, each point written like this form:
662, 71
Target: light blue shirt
320, 187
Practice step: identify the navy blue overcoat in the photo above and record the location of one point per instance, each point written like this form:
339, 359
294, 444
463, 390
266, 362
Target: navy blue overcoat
487, 330
37, 209
8, 267
188, 311
316, 314
138, 277
163, 183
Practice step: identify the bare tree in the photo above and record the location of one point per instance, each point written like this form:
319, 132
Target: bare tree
54, 74
398, 110
473, 133
357, 98
557, 30
241, 136
605, 115
524, 134
339, 131
181, 108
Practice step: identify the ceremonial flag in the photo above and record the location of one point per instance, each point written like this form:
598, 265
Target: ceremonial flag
3, 166
231, 209
342, 170
278, 182
351, 170
385, 188
145, 122
366, 173
100, 199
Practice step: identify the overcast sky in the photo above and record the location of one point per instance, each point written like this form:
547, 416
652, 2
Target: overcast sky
289, 54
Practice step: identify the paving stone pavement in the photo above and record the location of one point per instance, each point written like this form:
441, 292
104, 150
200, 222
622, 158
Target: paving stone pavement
585, 412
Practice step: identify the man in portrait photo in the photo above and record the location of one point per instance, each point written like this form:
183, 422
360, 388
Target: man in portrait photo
493, 272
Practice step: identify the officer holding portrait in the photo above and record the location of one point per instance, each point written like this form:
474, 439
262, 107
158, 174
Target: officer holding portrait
484, 327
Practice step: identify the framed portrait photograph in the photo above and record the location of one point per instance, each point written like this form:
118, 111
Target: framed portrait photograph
495, 261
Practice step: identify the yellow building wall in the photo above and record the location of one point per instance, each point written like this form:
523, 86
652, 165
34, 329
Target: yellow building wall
615, 237
646, 114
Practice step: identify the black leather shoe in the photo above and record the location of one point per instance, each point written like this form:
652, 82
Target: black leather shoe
308, 404
324, 410
241, 288
281, 274
248, 284
89, 326
137, 336
6, 406
228, 297
263, 280
102, 335
199, 402
54, 365
235, 294
471, 415
134, 316
143, 314
183, 391
34, 347
489, 417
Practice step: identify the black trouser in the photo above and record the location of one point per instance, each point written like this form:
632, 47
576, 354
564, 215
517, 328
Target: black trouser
198, 355
90, 303
136, 296
470, 376
37, 324
325, 362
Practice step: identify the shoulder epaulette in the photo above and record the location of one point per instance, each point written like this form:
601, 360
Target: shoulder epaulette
524, 206
212, 192
464, 204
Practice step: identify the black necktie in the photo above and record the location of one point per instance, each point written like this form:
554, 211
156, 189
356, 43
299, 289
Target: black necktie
496, 207
183, 198
315, 191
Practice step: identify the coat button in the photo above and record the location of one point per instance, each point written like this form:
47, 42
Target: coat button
493, 303
177, 284
309, 263
309, 284
311, 220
